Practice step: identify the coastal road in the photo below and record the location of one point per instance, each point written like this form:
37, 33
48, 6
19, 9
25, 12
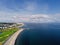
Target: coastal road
11, 40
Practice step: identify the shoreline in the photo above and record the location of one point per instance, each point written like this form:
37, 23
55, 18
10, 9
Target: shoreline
11, 40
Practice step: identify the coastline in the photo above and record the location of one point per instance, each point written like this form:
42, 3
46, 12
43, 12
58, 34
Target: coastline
11, 40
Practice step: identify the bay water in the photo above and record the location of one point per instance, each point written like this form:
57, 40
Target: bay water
39, 34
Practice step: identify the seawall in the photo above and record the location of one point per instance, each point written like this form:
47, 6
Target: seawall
11, 40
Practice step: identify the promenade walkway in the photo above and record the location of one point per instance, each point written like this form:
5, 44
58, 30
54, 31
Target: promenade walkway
11, 40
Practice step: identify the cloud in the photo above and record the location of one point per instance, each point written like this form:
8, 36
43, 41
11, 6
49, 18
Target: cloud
38, 18
30, 6
23, 12
24, 7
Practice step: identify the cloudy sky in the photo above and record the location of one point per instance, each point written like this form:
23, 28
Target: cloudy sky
30, 11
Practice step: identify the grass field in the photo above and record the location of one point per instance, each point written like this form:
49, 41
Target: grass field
6, 33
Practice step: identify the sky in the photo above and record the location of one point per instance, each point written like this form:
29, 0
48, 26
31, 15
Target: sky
39, 11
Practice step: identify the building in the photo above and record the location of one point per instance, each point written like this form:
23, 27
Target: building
6, 25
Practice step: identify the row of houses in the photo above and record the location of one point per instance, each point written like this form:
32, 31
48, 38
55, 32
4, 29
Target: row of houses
6, 25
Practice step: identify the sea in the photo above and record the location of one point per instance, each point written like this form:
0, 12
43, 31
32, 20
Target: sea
39, 34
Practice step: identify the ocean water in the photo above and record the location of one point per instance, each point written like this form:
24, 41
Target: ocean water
39, 34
